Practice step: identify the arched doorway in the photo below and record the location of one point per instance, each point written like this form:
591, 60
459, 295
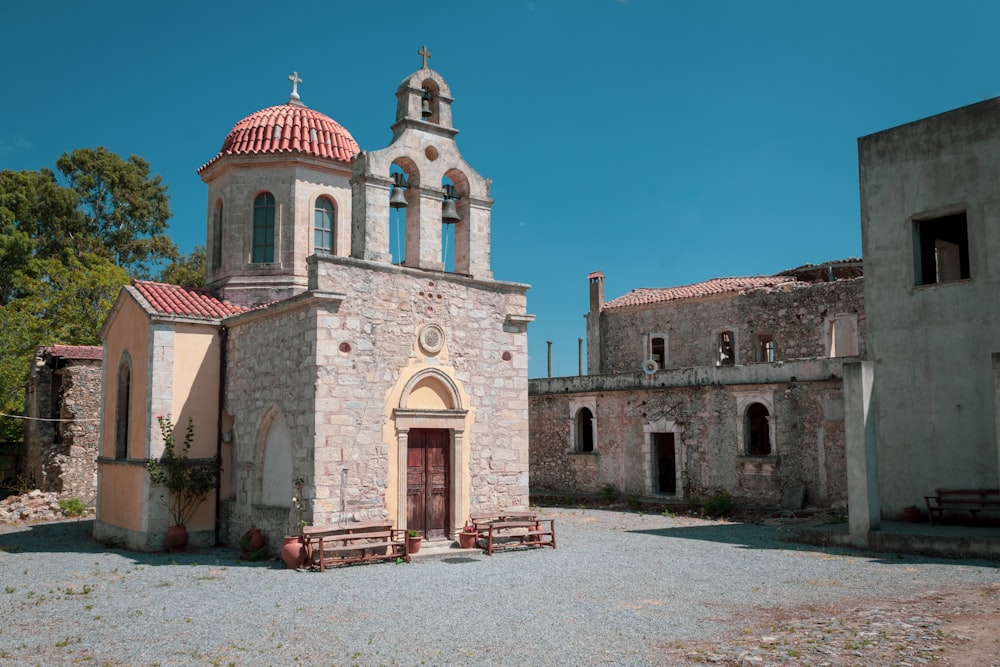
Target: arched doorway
430, 428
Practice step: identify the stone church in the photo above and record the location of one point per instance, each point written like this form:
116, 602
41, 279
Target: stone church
372, 377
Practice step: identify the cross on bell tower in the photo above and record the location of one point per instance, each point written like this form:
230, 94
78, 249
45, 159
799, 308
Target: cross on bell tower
424, 54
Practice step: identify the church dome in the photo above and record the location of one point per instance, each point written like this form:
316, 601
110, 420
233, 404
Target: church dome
288, 128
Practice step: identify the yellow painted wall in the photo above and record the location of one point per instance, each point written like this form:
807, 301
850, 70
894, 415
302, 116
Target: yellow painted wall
195, 395
122, 494
128, 331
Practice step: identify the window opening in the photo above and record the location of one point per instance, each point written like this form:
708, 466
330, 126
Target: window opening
658, 351
726, 351
844, 336
122, 411
584, 430
942, 249
217, 238
758, 435
263, 228
323, 226
765, 348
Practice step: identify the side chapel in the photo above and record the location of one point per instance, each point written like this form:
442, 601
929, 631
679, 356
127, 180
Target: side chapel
317, 364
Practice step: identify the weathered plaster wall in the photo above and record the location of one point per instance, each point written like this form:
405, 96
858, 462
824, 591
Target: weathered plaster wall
931, 344
797, 315
807, 423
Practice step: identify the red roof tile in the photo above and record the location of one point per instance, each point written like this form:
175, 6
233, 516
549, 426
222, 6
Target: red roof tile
186, 302
257, 134
646, 295
75, 351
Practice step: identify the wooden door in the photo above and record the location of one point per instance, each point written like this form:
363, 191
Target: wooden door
666, 467
428, 491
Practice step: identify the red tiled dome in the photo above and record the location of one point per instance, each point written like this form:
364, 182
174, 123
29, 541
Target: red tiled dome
288, 128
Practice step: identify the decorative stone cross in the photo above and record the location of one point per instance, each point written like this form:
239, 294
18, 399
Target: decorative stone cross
425, 54
294, 78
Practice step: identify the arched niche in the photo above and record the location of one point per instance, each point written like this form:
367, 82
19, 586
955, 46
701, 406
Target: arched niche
430, 390
274, 460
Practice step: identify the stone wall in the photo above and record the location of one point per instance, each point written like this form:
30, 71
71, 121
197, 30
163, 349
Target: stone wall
798, 315
60, 456
806, 421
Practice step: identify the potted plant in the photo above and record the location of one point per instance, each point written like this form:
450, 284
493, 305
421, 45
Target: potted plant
295, 550
467, 538
412, 541
188, 482
911, 514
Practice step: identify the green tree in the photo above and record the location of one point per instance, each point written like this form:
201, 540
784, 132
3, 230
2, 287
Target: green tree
186, 270
125, 209
63, 302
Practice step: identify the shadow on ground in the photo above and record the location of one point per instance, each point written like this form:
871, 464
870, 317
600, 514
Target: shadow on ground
752, 536
77, 536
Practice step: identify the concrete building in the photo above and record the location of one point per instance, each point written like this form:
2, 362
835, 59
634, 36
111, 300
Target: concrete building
317, 362
732, 384
924, 407
61, 429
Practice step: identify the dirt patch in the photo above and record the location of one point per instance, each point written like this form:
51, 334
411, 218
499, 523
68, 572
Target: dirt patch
954, 628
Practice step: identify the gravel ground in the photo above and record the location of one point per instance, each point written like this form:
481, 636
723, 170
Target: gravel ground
621, 589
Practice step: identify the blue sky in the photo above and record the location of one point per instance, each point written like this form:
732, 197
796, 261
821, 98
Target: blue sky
662, 143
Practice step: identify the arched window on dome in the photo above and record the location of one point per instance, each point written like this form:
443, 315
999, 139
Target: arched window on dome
263, 228
217, 237
324, 226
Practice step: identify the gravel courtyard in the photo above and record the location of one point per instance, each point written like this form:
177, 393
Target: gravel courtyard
621, 589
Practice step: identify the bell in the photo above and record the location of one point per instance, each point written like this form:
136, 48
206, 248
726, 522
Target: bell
449, 214
397, 199
425, 106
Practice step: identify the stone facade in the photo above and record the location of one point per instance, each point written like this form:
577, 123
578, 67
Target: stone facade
62, 428
669, 416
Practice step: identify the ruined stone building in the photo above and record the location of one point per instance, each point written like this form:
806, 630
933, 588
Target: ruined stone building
389, 380
732, 384
62, 429
925, 406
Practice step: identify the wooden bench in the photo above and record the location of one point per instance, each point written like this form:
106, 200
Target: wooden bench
360, 542
969, 500
513, 528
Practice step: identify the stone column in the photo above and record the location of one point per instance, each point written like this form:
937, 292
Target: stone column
862, 456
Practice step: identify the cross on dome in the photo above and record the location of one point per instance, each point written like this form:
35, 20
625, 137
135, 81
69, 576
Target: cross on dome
294, 78
424, 54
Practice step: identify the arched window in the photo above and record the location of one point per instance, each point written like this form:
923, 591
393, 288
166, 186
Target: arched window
726, 349
263, 228
758, 436
122, 409
217, 237
323, 227
584, 430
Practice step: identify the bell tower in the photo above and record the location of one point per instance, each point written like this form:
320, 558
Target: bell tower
436, 186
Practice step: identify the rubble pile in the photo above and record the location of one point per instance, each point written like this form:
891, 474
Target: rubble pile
30, 507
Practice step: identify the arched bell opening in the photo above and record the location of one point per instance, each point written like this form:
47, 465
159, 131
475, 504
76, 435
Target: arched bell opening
455, 218
430, 101
404, 204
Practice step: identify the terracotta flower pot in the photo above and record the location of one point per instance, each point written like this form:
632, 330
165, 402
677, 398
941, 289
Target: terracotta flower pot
176, 539
466, 540
911, 514
413, 544
294, 552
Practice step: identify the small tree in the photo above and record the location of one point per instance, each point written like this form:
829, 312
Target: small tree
189, 482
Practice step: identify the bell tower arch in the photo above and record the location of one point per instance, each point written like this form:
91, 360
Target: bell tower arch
423, 145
